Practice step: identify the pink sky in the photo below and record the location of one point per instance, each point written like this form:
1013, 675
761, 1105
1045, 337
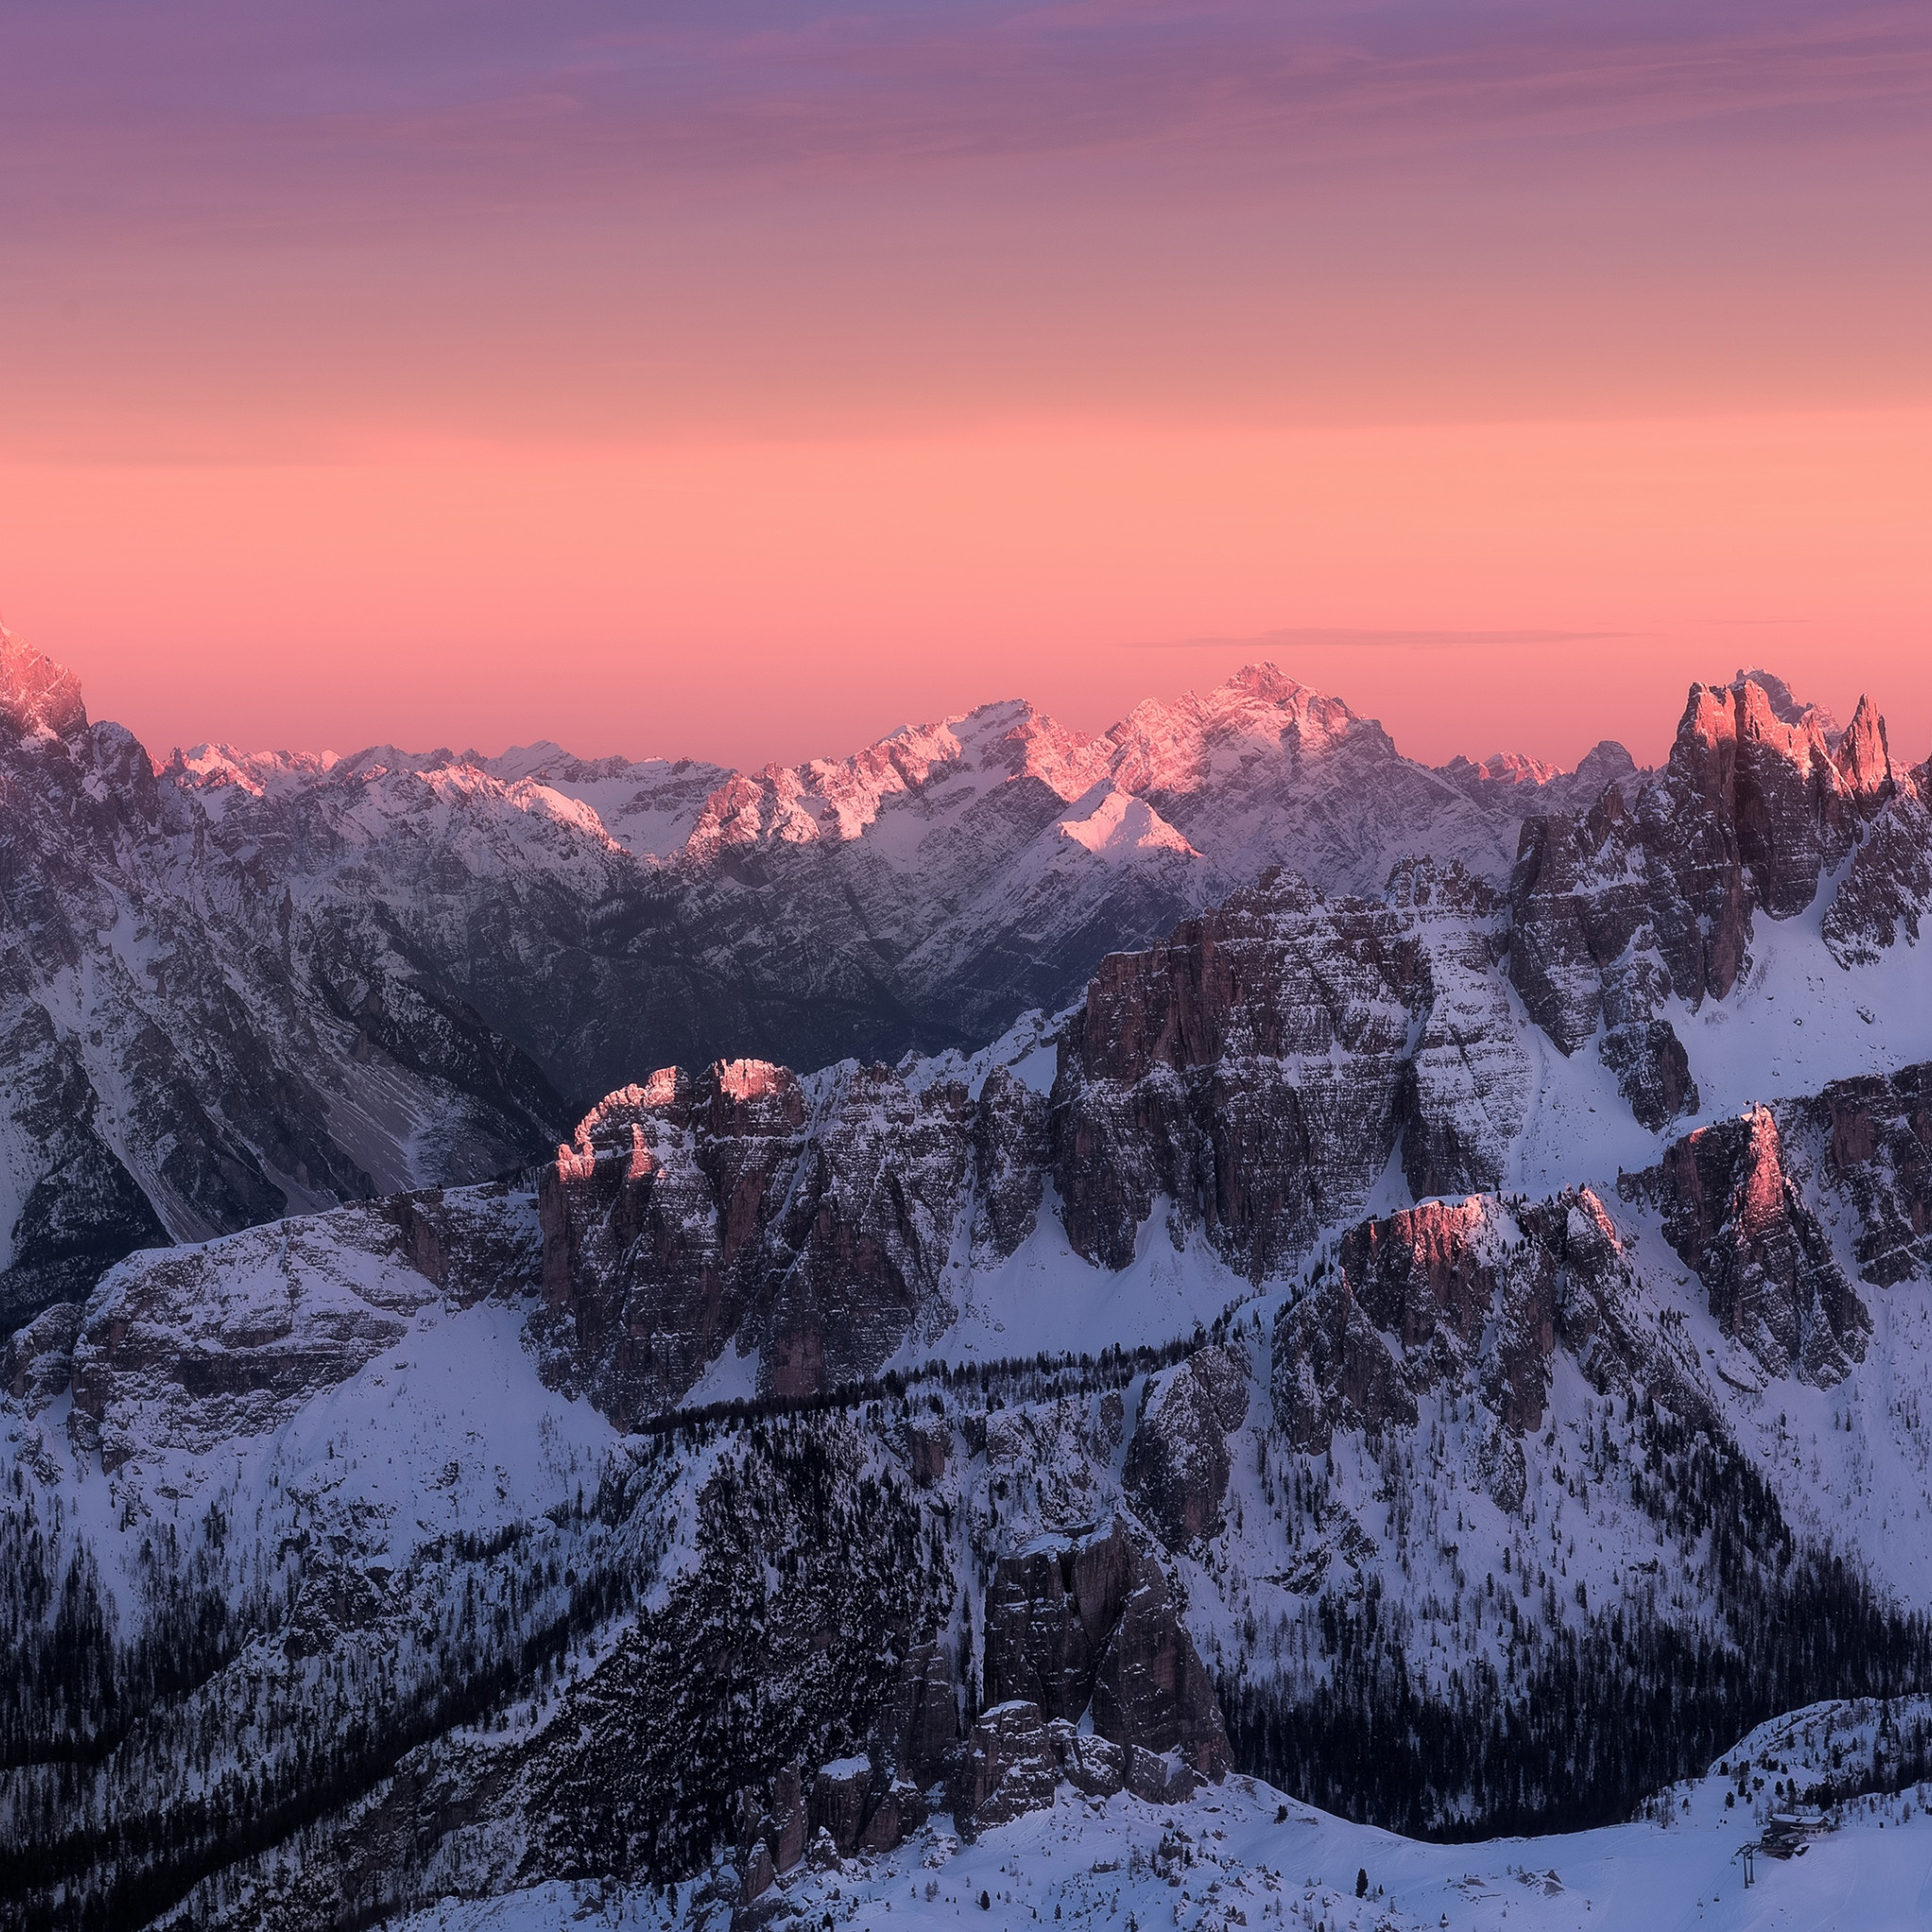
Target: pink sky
744, 381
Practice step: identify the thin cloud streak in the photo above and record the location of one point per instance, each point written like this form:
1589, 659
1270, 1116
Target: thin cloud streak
1344, 637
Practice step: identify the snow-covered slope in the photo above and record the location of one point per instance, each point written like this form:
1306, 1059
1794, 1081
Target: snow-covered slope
1248, 1856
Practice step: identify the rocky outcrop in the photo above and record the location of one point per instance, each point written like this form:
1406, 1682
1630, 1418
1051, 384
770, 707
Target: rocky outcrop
1178, 1462
1615, 908
1009, 1767
731, 1208
1735, 1216
1153, 1694
1474, 1296
839, 1801
1087, 1625
1876, 1148
1012, 1152
919, 1727
1255, 1071
37, 1361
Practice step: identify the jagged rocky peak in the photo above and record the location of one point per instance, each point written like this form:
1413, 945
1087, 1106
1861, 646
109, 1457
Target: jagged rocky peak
37, 697
1788, 784
1618, 908
731, 1207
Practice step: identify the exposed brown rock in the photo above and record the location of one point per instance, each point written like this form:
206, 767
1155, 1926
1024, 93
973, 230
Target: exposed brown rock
790, 1818
1733, 1215
1333, 1370
920, 1729
929, 1439
839, 1794
758, 1874
1254, 1069
1037, 1645
1089, 1624
1009, 1767
690, 1214
900, 1811
1470, 1294
1152, 1691
1091, 1763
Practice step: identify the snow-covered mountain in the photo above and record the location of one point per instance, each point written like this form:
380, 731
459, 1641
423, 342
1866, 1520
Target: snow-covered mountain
1439, 1328
246, 984
238, 986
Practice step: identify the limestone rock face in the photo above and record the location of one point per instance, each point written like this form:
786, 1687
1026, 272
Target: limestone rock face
1177, 1463
1644, 896
1037, 1645
1877, 1149
790, 1827
1012, 1152
1093, 1765
839, 1794
1256, 1069
920, 1729
694, 1214
1009, 1767
1733, 1214
1151, 1692
1470, 1295
1089, 1624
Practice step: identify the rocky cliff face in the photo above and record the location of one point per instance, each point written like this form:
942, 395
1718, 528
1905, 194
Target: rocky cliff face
1639, 898
1259, 1069
1750, 1204
1471, 1296
1732, 1213
816, 1231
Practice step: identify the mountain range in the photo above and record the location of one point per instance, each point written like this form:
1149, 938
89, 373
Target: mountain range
586, 1324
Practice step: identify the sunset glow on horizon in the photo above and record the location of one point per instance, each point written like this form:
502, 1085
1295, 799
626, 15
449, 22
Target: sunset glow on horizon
743, 383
